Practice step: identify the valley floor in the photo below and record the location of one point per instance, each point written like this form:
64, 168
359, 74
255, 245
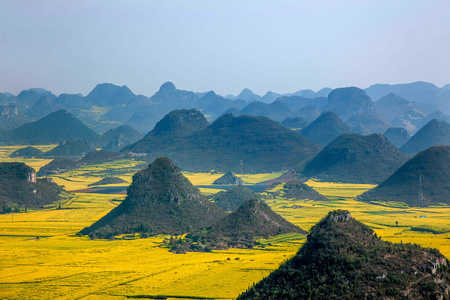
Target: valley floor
41, 257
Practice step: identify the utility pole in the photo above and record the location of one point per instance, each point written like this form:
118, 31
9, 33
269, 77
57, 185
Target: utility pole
420, 191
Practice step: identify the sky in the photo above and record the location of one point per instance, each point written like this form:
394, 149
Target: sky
225, 46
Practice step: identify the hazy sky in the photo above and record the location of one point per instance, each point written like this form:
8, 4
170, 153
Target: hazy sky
225, 46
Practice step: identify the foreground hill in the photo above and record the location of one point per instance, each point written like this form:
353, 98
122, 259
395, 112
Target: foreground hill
422, 181
57, 127
355, 158
19, 188
160, 201
325, 129
239, 229
433, 133
343, 259
246, 143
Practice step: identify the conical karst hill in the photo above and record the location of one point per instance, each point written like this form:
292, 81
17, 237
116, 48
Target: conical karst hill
422, 181
344, 259
57, 127
123, 133
20, 189
248, 143
253, 144
433, 133
233, 198
229, 178
27, 152
325, 129
239, 229
355, 158
160, 200
168, 132
348, 101
398, 136
298, 190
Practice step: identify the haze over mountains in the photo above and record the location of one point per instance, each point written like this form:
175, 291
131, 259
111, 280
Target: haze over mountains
335, 138
202, 136
115, 105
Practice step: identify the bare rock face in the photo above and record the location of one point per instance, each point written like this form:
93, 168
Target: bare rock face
32, 176
19, 171
339, 216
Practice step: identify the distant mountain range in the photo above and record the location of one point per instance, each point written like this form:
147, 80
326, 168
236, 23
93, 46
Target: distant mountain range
108, 106
242, 144
421, 92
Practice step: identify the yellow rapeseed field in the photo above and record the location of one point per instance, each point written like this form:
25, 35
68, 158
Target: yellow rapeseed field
41, 257
35, 163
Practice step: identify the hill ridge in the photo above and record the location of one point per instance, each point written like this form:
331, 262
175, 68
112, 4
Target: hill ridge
344, 259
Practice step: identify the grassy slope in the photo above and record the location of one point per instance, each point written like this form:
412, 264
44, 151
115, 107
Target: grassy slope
62, 265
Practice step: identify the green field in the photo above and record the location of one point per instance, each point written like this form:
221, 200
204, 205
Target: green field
41, 257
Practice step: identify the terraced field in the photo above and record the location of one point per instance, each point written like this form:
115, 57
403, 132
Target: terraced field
41, 257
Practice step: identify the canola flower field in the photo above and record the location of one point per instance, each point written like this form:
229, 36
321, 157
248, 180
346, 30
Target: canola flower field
42, 257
